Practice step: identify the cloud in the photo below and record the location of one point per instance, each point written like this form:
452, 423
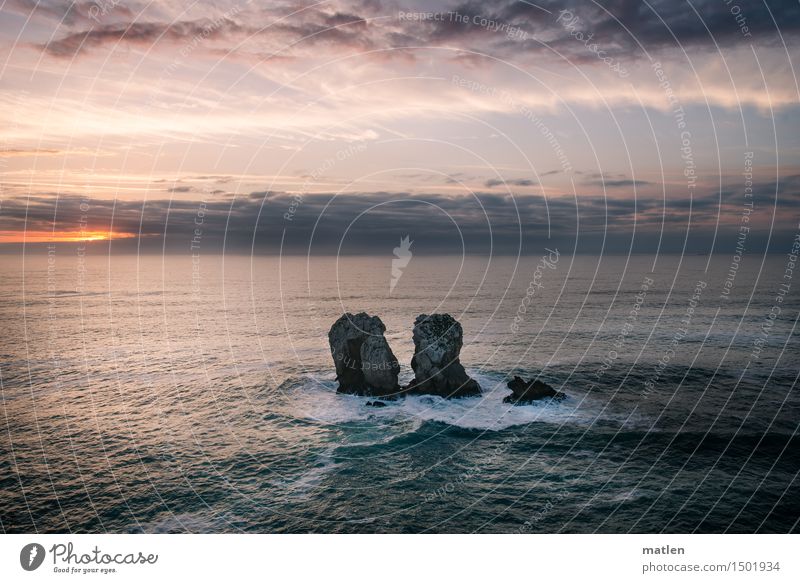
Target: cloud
18, 153
69, 12
622, 27
38, 152
359, 64
363, 222
492, 182
706, 23
625, 25
141, 33
310, 27
354, 71
624, 183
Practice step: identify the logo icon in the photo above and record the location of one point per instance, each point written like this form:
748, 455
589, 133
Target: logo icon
402, 257
31, 556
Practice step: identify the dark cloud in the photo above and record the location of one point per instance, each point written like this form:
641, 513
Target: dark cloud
622, 27
667, 23
618, 183
310, 27
492, 182
141, 33
365, 221
341, 18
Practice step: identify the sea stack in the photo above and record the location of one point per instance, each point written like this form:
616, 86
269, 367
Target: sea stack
524, 392
365, 365
438, 339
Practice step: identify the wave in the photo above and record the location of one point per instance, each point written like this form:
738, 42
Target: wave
303, 484
316, 400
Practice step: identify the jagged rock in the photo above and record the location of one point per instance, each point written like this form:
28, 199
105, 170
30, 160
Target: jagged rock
524, 392
365, 365
437, 370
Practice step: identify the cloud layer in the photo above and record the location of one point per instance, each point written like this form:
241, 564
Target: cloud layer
505, 123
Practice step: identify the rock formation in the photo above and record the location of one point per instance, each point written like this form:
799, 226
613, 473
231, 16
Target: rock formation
437, 370
524, 392
365, 365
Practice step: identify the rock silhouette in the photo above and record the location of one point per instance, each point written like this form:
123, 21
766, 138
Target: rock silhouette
524, 392
365, 365
438, 339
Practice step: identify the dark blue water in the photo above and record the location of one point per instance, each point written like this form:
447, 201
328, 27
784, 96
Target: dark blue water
142, 394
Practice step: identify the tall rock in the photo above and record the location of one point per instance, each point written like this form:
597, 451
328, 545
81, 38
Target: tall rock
438, 339
365, 365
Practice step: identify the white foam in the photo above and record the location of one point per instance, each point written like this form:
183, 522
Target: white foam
318, 401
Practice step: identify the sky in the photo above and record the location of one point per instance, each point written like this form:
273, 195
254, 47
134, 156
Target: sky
340, 127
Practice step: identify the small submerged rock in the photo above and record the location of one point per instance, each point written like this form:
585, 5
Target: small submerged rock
438, 339
524, 392
365, 365
376, 404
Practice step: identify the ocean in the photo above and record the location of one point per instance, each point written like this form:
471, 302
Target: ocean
197, 394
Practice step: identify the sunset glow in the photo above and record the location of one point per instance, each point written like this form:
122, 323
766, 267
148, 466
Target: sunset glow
507, 118
60, 236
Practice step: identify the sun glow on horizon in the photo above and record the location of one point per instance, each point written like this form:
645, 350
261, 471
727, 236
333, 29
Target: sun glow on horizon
60, 236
